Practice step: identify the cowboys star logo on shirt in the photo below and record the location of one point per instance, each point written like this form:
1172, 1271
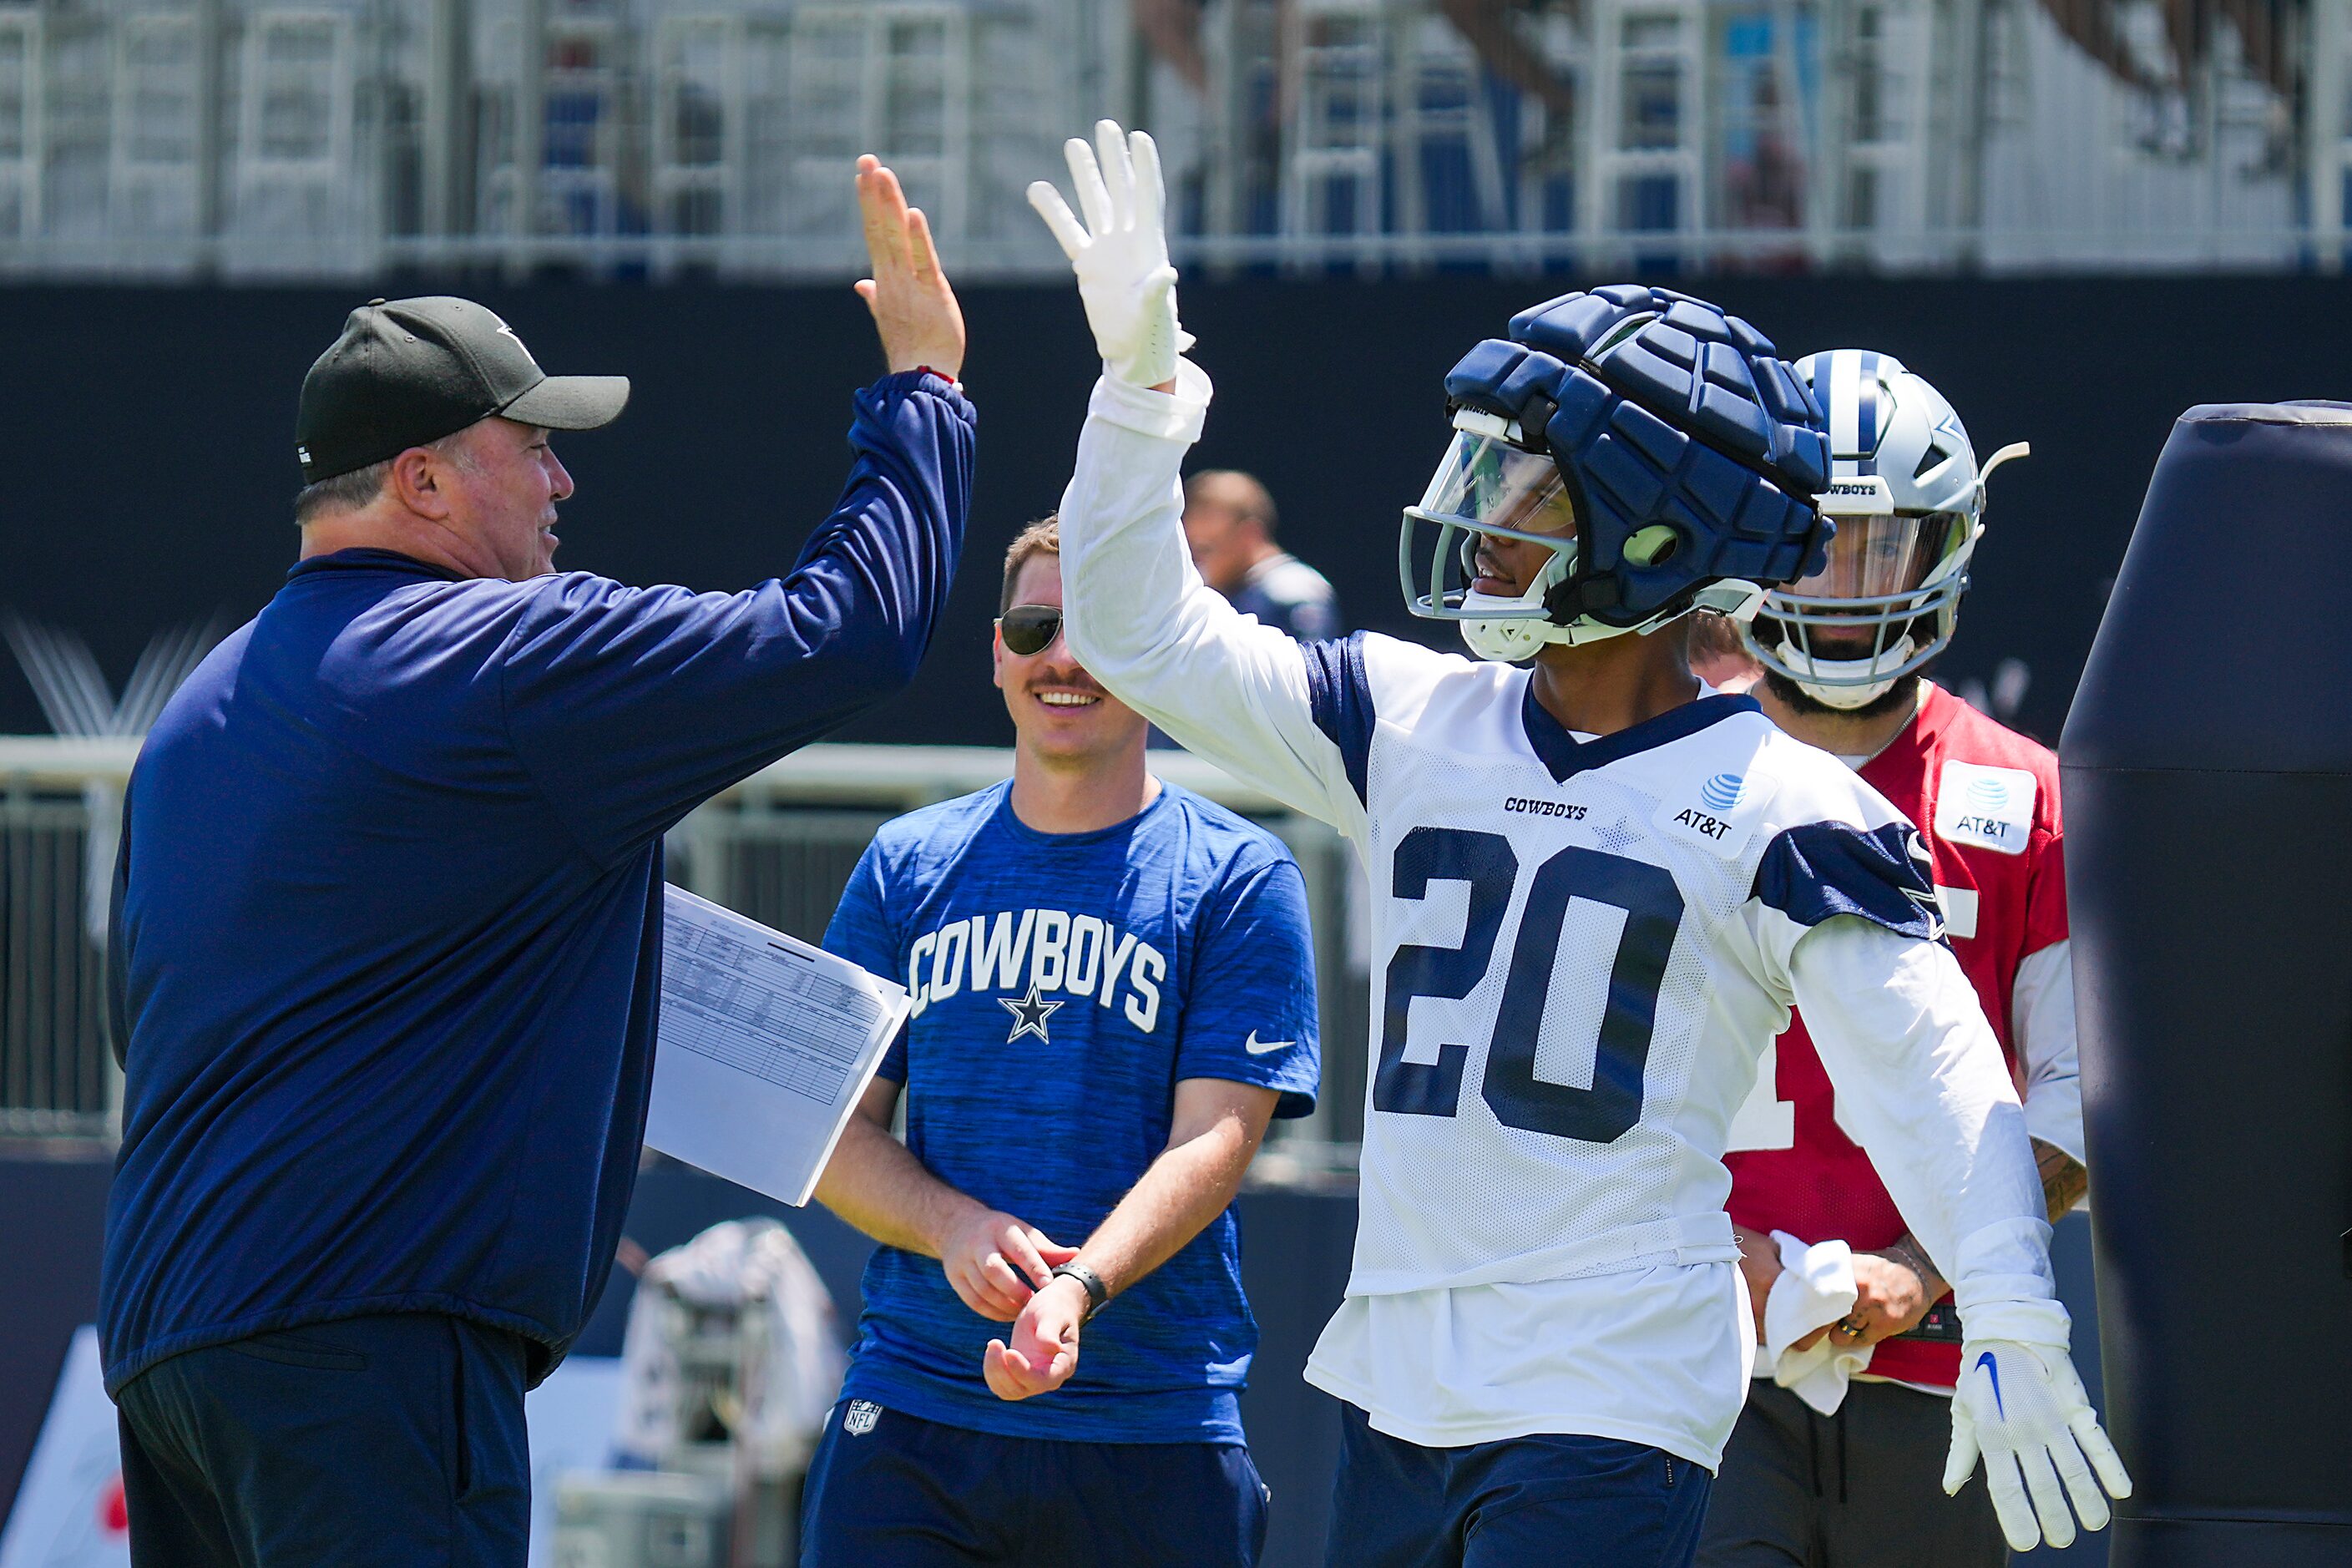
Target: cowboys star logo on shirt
1029, 1015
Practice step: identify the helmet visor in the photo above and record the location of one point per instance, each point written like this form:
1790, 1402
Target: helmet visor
1880, 558
1487, 484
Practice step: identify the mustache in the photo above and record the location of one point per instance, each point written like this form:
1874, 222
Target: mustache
1077, 680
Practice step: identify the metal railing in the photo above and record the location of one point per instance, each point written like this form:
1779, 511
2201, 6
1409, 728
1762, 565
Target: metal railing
57, 1072
779, 847
277, 138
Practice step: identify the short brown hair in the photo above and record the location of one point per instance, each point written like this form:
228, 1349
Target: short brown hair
1043, 537
1245, 496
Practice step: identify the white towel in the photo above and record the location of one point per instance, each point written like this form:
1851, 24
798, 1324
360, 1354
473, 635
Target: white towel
1815, 1288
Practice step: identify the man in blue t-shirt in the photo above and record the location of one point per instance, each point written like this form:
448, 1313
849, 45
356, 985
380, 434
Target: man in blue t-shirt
1114, 992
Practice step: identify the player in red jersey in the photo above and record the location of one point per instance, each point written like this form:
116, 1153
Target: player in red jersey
1839, 1458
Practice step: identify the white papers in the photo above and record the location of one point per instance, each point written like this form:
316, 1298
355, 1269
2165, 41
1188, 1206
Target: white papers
764, 1047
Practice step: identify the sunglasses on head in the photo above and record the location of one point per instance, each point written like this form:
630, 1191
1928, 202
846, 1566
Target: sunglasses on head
1030, 628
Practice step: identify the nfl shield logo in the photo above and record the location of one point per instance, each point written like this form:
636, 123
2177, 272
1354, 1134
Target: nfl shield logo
863, 1414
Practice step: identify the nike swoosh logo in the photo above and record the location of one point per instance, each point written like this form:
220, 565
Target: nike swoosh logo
1258, 1047
1992, 1369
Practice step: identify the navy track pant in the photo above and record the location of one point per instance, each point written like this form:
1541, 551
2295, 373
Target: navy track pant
383, 1442
893, 1490
1545, 1501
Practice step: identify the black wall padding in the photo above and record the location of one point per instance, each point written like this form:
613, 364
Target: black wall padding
149, 433
2208, 768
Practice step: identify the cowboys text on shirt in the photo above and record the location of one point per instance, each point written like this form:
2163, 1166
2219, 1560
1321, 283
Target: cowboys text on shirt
1038, 951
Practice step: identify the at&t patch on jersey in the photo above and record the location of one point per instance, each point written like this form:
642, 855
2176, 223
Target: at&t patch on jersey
1991, 808
1718, 812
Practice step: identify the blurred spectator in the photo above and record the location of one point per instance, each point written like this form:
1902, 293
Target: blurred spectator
1172, 29
1764, 178
1493, 28
1229, 521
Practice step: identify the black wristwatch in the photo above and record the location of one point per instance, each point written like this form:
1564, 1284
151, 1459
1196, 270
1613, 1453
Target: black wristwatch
1098, 1293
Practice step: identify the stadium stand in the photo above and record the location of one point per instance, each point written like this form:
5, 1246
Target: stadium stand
627, 137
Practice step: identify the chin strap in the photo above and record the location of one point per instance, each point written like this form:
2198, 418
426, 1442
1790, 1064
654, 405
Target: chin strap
1845, 699
1509, 640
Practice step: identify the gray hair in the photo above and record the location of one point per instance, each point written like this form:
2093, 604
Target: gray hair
361, 487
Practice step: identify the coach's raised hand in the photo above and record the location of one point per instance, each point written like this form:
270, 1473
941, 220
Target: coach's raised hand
914, 310
1120, 252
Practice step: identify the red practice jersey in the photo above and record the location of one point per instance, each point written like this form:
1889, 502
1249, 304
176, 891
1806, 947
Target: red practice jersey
1986, 800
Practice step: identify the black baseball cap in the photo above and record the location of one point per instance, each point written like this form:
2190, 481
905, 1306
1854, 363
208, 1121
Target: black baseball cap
407, 371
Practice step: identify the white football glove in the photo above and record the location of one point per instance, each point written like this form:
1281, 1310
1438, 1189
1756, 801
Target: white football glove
2024, 1407
1120, 253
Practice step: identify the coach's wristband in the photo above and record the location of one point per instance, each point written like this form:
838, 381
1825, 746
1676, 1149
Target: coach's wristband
1098, 1293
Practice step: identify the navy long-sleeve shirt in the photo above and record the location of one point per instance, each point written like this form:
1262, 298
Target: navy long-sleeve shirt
387, 925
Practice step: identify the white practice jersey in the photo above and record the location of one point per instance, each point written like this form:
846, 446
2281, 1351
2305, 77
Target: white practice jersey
1580, 948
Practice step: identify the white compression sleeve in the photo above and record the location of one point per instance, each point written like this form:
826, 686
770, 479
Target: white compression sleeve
1920, 1078
2042, 1022
1165, 643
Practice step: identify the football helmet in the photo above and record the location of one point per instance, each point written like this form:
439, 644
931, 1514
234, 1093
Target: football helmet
1908, 496
1659, 448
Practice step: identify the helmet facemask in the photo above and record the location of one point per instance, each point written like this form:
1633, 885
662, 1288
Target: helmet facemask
1491, 485
1883, 605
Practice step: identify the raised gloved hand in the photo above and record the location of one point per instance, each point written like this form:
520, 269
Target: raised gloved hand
1120, 252
2024, 1407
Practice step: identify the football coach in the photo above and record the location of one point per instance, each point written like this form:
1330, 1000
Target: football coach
388, 920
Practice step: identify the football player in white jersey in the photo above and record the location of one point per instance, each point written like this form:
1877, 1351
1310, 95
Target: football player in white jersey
1598, 888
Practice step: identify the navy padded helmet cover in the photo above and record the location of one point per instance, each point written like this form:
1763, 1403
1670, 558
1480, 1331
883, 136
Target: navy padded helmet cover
1690, 419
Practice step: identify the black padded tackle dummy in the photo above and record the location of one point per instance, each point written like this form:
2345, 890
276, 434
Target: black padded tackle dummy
2208, 769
